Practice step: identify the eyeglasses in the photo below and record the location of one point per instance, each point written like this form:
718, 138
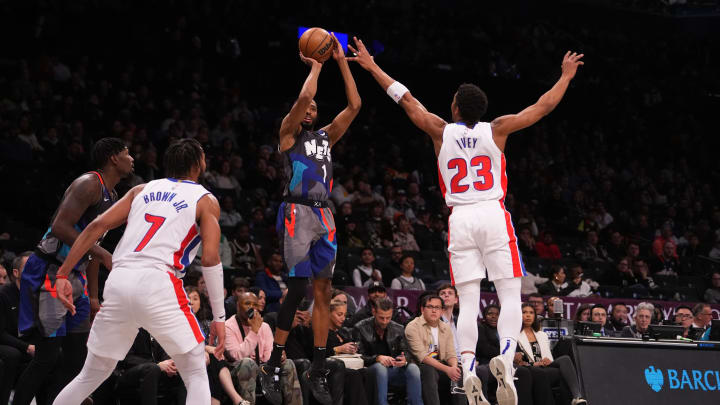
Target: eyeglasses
433, 307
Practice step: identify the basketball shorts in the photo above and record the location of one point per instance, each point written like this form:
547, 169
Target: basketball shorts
307, 240
481, 238
40, 311
152, 299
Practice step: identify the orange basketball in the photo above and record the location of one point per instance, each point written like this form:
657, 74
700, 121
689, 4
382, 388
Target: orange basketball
316, 43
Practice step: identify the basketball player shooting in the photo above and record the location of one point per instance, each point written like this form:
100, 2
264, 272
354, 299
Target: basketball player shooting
166, 220
471, 164
305, 224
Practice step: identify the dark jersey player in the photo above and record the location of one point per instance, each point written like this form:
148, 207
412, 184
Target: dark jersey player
305, 224
41, 316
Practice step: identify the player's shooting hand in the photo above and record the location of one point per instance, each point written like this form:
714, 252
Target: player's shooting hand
217, 330
570, 63
65, 294
338, 52
361, 54
310, 61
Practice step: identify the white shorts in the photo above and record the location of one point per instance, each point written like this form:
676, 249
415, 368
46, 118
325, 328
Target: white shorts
481, 236
143, 298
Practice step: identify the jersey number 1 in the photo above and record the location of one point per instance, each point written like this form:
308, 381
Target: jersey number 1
156, 222
485, 176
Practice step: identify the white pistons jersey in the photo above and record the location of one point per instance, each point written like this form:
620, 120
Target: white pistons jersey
161, 230
470, 165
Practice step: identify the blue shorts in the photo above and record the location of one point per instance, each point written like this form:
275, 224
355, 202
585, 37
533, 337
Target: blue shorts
40, 311
307, 240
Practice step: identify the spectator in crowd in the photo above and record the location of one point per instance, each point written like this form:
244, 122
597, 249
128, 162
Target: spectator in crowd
546, 248
403, 236
592, 250
623, 274
378, 228
229, 215
666, 263
382, 344
393, 268
643, 315
240, 285
556, 285
617, 248
658, 317
632, 252
3, 275
577, 287
262, 299
712, 294
702, 316
534, 349
488, 345
431, 346
376, 290
665, 236
583, 313
538, 303
642, 274
342, 191
14, 352
598, 314
351, 236
364, 197
400, 207
249, 341
715, 251
526, 243
247, 260
406, 280
366, 272
272, 281
342, 297
222, 181
618, 318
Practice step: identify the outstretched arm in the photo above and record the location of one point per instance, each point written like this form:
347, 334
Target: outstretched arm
292, 121
507, 124
336, 129
110, 219
428, 122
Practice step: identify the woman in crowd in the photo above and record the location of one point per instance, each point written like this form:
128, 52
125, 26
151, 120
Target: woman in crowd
359, 382
221, 385
534, 351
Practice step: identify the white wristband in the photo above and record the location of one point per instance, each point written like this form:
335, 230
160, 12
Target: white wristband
213, 276
396, 91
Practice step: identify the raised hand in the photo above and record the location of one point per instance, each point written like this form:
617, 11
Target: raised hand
362, 56
309, 61
570, 63
338, 52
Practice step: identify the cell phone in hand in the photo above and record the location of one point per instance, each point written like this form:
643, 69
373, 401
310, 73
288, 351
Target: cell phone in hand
250, 313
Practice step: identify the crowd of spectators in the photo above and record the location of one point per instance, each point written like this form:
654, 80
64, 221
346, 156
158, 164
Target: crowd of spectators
614, 194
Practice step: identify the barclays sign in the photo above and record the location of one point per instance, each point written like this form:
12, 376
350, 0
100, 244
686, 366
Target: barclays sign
679, 379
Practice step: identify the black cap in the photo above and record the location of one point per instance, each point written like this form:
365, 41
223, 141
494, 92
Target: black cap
376, 286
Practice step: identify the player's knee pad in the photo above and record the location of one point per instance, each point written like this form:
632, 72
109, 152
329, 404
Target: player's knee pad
297, 288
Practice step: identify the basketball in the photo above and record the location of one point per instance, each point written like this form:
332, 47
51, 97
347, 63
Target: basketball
316, 43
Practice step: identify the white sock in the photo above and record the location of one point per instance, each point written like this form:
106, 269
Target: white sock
469, 296
510, 320
95, 370
191, 367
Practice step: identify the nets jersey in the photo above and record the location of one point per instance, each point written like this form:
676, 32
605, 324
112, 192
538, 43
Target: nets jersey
470, 165
54, 247
308, 166
161, 229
